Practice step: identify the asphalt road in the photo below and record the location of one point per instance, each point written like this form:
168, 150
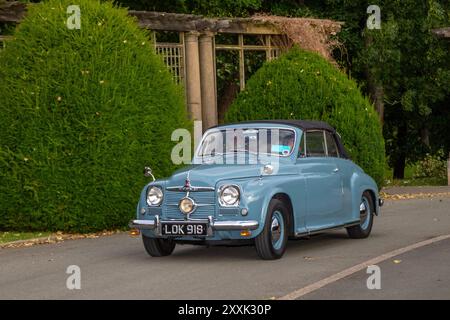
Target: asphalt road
117, 267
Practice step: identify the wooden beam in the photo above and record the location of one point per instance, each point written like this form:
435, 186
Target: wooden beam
12, 11
161, 21
5, 38
188, 22
442, 32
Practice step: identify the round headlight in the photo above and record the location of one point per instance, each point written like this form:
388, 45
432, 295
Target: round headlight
154, 196
186, 205
229, 196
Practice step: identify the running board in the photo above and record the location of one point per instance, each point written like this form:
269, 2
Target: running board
312, 232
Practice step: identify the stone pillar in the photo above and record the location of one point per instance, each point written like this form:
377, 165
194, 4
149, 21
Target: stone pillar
208, 80
193, 90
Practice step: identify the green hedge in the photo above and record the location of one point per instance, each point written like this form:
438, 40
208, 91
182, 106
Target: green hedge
303, 85
81, 113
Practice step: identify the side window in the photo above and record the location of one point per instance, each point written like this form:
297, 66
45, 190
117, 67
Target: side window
331, 145
315, 144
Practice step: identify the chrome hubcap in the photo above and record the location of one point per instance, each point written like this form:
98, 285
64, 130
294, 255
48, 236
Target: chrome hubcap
275, 230
364, 213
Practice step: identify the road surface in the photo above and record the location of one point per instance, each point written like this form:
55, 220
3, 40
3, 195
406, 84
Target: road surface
117, 267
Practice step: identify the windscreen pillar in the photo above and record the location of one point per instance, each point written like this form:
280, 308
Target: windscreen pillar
193, 86
208, 80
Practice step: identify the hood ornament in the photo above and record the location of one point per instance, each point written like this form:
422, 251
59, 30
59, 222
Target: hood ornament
187, 182
187, 187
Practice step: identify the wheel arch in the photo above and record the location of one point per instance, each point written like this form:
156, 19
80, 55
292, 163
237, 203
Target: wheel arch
374, 199
284, 197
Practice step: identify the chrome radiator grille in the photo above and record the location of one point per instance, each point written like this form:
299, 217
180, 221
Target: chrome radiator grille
172, 198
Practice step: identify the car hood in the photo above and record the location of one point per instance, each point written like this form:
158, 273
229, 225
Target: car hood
206, 175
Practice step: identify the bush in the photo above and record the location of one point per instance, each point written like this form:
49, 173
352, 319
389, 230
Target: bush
432, 166
303, 85
82, 112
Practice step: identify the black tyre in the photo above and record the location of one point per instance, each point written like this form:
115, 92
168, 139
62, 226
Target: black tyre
158, 247
367, 211
271, 242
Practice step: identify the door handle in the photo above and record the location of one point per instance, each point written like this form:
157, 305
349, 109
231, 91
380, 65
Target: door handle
335, 170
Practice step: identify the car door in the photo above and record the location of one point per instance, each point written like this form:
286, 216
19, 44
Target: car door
323, 183
344, 173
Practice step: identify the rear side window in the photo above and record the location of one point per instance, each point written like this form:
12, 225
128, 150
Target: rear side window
315, 144
331, 145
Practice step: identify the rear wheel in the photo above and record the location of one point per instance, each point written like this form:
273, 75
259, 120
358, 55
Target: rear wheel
158, 247
366, 212
271, 242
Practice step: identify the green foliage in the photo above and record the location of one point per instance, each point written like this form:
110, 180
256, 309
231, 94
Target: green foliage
432, 166
82, 112
224, 8
303, 85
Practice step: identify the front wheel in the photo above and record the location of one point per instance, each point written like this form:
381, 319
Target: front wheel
271, 242
157, 247
366, 213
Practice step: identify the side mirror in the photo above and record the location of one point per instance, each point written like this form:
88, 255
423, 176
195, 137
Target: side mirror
148, 173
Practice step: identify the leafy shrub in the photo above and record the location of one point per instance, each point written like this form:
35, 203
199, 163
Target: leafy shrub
82, 111
303, 85
432, 166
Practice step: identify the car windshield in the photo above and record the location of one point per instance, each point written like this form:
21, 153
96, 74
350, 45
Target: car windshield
273, 141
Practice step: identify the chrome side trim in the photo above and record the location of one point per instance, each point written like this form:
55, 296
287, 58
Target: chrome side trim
236, 225
312, 232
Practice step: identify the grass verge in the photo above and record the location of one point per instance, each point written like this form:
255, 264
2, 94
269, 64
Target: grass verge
9, 236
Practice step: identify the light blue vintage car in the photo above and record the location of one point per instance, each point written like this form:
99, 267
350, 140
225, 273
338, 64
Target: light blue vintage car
258, 183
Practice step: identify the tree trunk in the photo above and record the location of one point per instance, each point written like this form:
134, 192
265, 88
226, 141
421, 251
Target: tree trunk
226, 99
425, 136
374, 86
400, 160
376, 93
399, 167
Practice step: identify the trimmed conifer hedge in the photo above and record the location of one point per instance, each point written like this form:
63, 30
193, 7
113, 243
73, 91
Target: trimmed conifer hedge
81, 113
303, 85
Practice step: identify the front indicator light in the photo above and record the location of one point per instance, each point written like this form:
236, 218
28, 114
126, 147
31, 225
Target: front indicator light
246, 233
134, 232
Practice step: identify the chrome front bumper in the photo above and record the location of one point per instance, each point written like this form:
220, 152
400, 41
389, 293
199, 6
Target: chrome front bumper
227, 225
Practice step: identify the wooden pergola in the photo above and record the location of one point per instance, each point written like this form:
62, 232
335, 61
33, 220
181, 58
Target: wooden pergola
192, 60
197, 52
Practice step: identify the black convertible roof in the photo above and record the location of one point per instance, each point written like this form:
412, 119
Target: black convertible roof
302, 124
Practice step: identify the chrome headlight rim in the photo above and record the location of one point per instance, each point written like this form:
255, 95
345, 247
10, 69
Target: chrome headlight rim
221, 195
157, 196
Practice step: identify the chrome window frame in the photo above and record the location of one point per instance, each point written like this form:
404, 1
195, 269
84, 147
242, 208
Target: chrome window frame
335, 144
325, 143
207, 132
